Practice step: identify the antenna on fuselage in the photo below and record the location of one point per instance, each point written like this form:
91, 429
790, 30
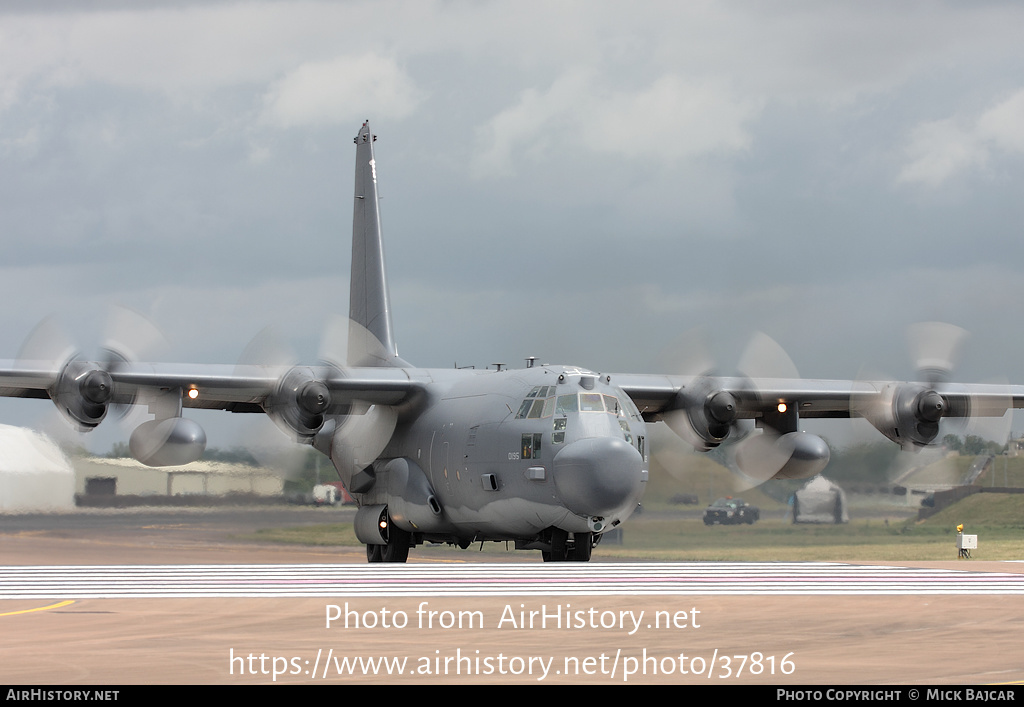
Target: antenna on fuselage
498, 365
530, 360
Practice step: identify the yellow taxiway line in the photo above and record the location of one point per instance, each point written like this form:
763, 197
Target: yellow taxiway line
41, 608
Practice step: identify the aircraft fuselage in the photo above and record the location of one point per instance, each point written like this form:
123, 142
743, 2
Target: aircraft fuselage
511, 455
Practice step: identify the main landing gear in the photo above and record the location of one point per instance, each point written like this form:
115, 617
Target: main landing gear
396, 549
562, 549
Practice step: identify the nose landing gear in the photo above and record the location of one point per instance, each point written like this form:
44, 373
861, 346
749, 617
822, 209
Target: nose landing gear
564, 549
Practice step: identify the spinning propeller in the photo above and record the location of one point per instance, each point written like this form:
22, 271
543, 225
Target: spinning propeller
920, 414
84, 391
710, 410
351, 432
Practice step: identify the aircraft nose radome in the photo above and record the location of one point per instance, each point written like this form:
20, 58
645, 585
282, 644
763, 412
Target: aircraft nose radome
595, 476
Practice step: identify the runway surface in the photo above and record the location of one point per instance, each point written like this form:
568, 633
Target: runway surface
628, 579
155, 597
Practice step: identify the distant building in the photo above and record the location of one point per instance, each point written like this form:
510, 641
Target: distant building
97, 476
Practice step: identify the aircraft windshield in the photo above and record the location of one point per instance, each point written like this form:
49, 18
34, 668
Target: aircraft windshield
540, 402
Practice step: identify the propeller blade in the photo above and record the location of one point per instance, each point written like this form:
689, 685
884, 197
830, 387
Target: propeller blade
759, 459
935, 349
131, 336
334, 341
267, 351
271, 448
765, 358
361, 437
49, 343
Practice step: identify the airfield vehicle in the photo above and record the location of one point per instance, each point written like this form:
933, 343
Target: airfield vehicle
731, 511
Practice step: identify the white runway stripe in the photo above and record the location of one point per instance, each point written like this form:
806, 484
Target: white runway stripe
598, 579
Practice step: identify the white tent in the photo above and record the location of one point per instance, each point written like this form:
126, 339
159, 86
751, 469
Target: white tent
34, 474
820, 501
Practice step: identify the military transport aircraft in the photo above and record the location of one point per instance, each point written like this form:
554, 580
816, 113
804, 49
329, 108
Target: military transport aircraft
549, 457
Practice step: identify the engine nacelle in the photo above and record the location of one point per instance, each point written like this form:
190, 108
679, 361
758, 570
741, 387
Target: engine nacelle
299, 403
371, 525
702, 414
906, 413
170, 442
82, 392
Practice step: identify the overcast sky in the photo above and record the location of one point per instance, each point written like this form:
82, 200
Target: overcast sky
578, 181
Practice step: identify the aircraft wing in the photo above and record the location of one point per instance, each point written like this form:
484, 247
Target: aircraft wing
703, 408
218, 387
298, 399
655, 395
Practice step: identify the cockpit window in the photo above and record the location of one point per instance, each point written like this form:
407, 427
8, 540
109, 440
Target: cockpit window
537, 403
611, 403
541, 402
566, 404
630, 408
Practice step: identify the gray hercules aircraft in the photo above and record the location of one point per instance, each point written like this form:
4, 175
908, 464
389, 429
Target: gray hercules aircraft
548, 457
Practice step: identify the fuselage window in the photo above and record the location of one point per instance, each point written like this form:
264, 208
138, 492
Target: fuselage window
558, 436
625, 430
531, 445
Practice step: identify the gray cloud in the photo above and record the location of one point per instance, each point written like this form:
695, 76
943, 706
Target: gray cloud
581, 187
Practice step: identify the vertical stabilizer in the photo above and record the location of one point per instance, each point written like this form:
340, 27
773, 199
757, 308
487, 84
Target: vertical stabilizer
370, 338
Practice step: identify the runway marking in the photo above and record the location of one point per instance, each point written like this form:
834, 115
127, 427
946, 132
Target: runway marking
40, 608
415, 580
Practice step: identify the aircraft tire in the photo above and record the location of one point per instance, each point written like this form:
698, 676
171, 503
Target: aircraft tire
559, 551
373, 553
582, 548
397, 549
